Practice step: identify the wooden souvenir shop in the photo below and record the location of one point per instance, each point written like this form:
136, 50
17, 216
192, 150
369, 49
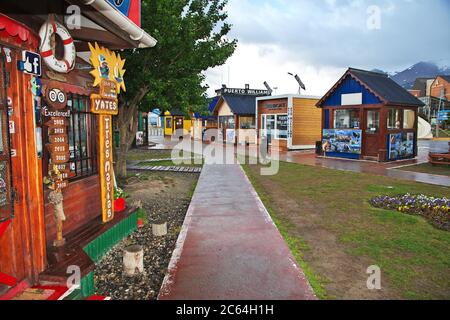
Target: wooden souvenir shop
59, 84
290, 122
368, 116
235, 109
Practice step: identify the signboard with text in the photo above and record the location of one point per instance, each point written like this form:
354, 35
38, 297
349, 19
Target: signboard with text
106, 167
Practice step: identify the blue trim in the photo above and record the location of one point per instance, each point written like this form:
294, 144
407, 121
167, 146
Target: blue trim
326, 123
348, 86
343, 155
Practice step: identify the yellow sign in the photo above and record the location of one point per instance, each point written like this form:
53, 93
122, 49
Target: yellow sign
106, 167
107, 66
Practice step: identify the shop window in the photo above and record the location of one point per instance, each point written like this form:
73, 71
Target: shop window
373, 121
247, 122
282, 126
6, 207
393, 121
346, 119
409, 119
226, 122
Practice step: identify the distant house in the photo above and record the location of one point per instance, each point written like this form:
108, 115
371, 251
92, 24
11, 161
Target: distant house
367, 115
440, 87
235, 110
421, 87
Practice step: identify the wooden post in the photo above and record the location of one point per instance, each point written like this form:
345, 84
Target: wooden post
133, 260
159, 229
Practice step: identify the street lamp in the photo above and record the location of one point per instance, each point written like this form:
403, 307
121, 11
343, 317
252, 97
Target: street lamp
299, 81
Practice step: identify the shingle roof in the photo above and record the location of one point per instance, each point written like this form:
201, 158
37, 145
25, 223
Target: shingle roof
241, 105
386, 88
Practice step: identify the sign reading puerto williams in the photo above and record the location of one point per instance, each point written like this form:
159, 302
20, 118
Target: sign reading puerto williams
108, 72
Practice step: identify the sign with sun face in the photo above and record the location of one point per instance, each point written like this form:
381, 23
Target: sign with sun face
107, 66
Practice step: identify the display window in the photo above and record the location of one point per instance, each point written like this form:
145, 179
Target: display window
347, 119
409, 119
394, 121
247, 123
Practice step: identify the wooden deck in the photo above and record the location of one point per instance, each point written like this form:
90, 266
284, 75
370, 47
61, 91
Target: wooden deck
73, 254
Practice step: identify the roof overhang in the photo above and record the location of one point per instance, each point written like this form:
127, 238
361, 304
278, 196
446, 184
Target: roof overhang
105, 15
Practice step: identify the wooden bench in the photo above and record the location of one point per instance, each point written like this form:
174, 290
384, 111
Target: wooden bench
439, 158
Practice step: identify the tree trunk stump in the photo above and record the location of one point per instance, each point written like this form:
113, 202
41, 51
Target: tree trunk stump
159, 229
133, 260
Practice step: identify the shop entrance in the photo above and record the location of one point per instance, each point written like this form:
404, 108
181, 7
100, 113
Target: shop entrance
179, 123
371, 133
268, 127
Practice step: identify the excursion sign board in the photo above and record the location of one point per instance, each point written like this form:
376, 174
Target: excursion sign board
108, 71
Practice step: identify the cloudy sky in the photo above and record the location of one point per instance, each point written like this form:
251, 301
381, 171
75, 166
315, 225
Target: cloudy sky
319, 39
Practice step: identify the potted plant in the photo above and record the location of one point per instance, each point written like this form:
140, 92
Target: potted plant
119, 200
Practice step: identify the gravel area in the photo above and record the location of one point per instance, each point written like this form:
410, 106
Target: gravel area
165, 197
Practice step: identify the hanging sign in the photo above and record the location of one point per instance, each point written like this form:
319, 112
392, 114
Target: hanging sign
106, 167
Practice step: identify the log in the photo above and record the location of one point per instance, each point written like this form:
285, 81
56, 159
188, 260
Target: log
159, 229
133, 261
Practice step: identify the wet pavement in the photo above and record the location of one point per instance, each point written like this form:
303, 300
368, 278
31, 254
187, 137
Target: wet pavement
371, 167
229, 248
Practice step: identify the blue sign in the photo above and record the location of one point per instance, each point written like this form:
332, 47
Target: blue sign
31, 63
121, 5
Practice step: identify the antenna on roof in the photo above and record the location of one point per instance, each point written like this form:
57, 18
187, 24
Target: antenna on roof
268, 87
299, 81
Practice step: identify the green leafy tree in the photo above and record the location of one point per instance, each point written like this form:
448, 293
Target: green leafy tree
192, 37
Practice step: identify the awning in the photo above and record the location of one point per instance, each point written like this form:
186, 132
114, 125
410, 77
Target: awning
17, 31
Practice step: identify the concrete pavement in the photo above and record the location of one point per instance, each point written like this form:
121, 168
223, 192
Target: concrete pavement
229, 247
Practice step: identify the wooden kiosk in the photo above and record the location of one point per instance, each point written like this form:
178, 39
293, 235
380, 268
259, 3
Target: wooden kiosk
366, 115
292, 120
56, 103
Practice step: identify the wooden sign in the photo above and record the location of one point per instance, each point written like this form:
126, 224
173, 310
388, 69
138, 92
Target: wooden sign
61, 184
108, 89
55, 95
58, 139
62, 167
57, 147
57, 122
57, 131
104, 106
59, 158
106, 167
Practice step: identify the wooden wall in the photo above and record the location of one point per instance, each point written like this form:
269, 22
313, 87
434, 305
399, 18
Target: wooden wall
307, 122
22, 246
81, 205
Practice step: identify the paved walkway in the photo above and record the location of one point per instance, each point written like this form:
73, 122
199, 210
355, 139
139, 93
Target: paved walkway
229, 247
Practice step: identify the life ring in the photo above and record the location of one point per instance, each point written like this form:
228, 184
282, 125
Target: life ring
68, 62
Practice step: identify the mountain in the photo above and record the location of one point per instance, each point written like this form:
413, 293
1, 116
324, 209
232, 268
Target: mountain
407, 77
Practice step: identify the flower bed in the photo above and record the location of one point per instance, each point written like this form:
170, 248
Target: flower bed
436, 210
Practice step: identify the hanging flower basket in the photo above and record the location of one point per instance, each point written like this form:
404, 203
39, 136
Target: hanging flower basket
119, 205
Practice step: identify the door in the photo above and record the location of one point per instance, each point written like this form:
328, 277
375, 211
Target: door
269, 126
371, 135
6, 207
179, 123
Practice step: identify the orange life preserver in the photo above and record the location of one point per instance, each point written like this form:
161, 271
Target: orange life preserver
68, 62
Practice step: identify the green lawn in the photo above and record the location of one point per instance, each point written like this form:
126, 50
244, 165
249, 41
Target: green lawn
335, 234
428, 168
143, 155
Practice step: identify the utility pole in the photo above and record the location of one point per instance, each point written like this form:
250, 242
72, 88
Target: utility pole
439, 111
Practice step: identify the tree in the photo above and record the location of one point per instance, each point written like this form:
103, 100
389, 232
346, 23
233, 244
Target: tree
191, 38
